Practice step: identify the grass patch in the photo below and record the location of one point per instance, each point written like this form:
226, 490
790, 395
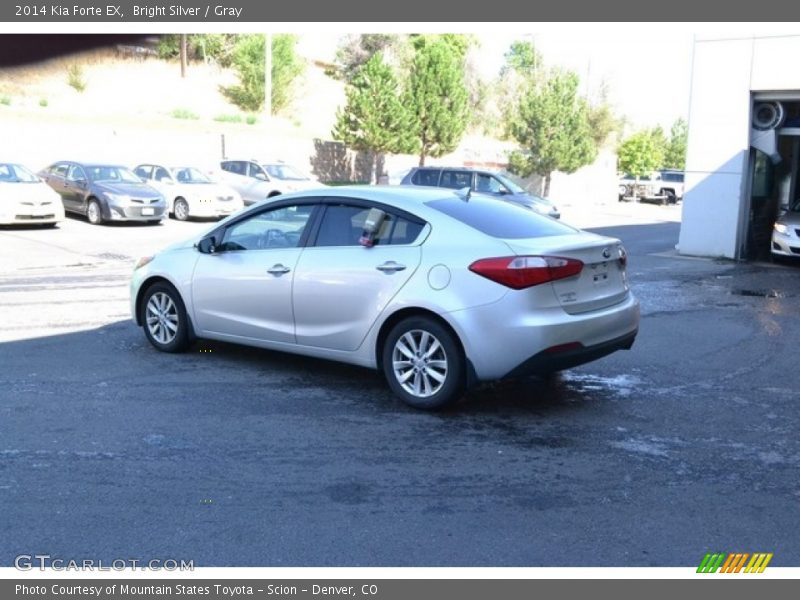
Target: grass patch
75, 77
228, 118
251, 120
184, 113
43, 102
5, 100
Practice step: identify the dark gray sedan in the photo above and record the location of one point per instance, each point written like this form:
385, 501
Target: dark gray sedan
104, 192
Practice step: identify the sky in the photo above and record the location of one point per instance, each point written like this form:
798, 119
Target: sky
646, 67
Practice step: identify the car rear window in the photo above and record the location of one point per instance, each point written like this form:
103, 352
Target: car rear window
426, 177
500, 219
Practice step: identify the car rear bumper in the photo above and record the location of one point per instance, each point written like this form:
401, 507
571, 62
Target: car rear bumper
508, 337
560, 358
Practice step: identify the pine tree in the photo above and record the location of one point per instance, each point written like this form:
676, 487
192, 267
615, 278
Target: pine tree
551, 124
437, 98
374, 119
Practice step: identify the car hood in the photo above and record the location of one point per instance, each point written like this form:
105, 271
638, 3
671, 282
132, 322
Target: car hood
790, 219
136, 190
28, 192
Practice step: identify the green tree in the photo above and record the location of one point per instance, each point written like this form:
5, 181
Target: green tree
641, 153
249, 59
551, 124
675, 153
374, 119
355, 50
437, 98
523, 58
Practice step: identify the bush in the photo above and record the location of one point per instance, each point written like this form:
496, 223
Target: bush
251, 119
184, 113
43, 102
228, 118
76, 78
5, 101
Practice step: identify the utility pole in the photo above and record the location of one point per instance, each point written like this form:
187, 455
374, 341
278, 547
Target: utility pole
267, 77
183, 55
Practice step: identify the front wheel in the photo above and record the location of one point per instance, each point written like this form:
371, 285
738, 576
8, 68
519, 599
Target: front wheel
423, 363
166, 325
181, 210
93, 213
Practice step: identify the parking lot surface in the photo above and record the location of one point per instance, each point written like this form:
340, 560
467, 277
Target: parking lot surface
233, 456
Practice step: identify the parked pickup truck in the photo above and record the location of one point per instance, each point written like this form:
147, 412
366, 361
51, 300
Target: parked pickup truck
663, 187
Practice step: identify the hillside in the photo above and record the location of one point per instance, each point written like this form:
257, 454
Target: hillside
134, 110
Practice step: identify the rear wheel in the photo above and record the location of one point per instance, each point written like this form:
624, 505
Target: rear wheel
181, 210
166, 325
423, 363
93, 213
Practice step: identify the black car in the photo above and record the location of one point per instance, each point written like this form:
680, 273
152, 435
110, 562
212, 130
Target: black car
104, 192
483, 182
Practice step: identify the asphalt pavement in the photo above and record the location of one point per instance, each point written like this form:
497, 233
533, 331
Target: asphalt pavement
231, 456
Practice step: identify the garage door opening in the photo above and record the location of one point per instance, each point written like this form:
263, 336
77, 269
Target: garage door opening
773, 171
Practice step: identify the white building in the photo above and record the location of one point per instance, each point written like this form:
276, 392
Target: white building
744, 144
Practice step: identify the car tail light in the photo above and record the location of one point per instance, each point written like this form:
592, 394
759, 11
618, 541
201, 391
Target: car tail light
519, 272
623, 257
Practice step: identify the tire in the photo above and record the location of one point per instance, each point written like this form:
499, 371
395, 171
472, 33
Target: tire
164, 319
181, 209
94, 213
423, 363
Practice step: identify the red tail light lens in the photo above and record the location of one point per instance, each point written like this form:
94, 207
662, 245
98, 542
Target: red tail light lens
520, 272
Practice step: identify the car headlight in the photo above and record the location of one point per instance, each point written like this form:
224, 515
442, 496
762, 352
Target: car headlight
781, 228
119, 198
145, 260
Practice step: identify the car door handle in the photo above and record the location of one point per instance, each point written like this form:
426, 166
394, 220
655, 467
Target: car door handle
278, 269
390, 267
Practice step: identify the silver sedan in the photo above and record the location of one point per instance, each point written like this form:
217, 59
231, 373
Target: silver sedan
437, 289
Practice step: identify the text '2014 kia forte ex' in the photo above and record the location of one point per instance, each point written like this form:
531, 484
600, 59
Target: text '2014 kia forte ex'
438, 289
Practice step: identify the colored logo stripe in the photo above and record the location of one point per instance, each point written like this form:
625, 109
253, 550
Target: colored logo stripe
733, 562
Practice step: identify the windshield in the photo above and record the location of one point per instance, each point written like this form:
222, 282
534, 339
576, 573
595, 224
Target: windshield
284, 172
515, 188
109, 173
16, 174
190, 175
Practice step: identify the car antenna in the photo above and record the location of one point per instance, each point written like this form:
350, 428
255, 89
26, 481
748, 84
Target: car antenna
464, 193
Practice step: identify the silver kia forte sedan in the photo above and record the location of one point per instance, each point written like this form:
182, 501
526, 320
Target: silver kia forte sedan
439, 289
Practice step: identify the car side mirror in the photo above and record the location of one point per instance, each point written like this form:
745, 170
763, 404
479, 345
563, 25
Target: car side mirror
81, 183
207, 245
261, 177
372, 226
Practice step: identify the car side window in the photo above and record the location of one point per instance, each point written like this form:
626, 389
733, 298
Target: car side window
235, 166
426, 177
343, 225
76, 173
161, 174
143, 171
456, 179
276, 228
488, 184
256, 171
60, 170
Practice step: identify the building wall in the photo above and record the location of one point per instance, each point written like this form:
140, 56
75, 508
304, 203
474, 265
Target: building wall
725, 74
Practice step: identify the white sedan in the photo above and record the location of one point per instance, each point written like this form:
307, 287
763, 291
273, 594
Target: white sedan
190, 193
27, 200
